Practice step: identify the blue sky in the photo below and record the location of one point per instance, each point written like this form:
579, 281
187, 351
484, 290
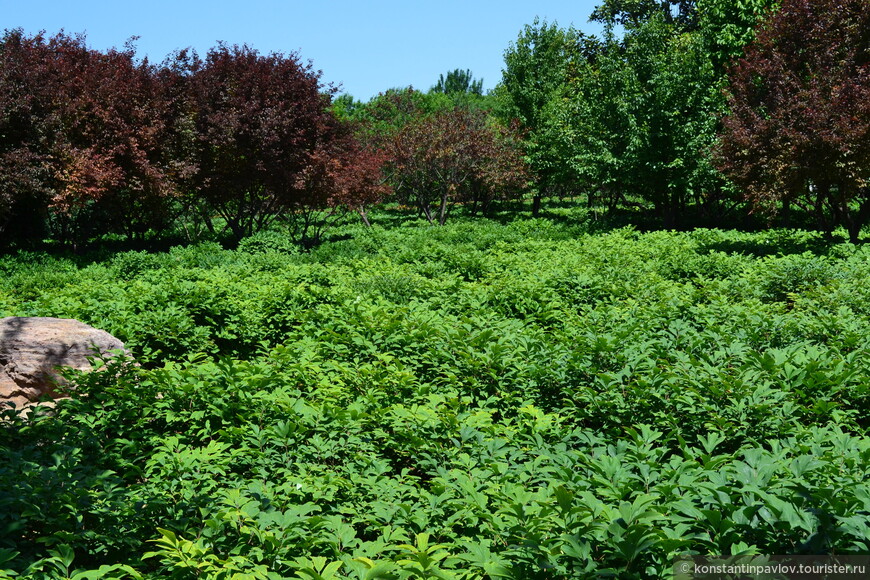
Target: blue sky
368, 47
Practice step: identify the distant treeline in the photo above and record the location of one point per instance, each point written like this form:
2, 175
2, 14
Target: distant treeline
687, 110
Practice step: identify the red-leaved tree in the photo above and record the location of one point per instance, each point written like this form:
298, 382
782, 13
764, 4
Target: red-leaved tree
343, 174
453, 156
267, 144
83, 133
799, 127
23, 177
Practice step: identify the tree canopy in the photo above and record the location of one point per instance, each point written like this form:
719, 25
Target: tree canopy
82, 132
458, 81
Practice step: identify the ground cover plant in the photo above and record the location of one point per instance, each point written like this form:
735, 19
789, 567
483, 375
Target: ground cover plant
531, 399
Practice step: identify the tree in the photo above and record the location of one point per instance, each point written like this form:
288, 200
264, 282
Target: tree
344, 174
461, 90
24, 181
132, 123
671, 101
384, 115
634, 13
437, 148
538, 69
452, 156
346, 107
458, 81
728, 26
357, 178
798, 130
97, 142
81, 134
263, 128
637, 121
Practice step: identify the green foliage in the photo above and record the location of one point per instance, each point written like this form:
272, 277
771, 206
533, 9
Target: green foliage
538, 69
639, 121
634, 14
729, 26
463, 90
387, 113
479, 400
458, 81
267, 242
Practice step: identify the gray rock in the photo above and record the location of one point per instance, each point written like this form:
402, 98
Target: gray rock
31, 350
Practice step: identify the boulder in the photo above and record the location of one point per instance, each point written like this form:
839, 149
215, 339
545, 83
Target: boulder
32, 349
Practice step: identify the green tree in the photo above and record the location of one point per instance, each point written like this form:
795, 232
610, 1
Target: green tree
458, 81
538, 70
673, 103
384, 115
346, 107
728, 26
462, 90
639, 120
639, 117
635, 13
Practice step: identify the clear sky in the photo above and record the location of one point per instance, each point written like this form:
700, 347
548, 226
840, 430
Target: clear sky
367, 47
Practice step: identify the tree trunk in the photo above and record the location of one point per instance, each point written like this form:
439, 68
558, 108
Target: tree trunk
536, 205
786, 213
209, 224
862, 217
487, 206
442, 212
855, 220
669, 214
427, 211
822, 194
236, 228
854, 230
364, 215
